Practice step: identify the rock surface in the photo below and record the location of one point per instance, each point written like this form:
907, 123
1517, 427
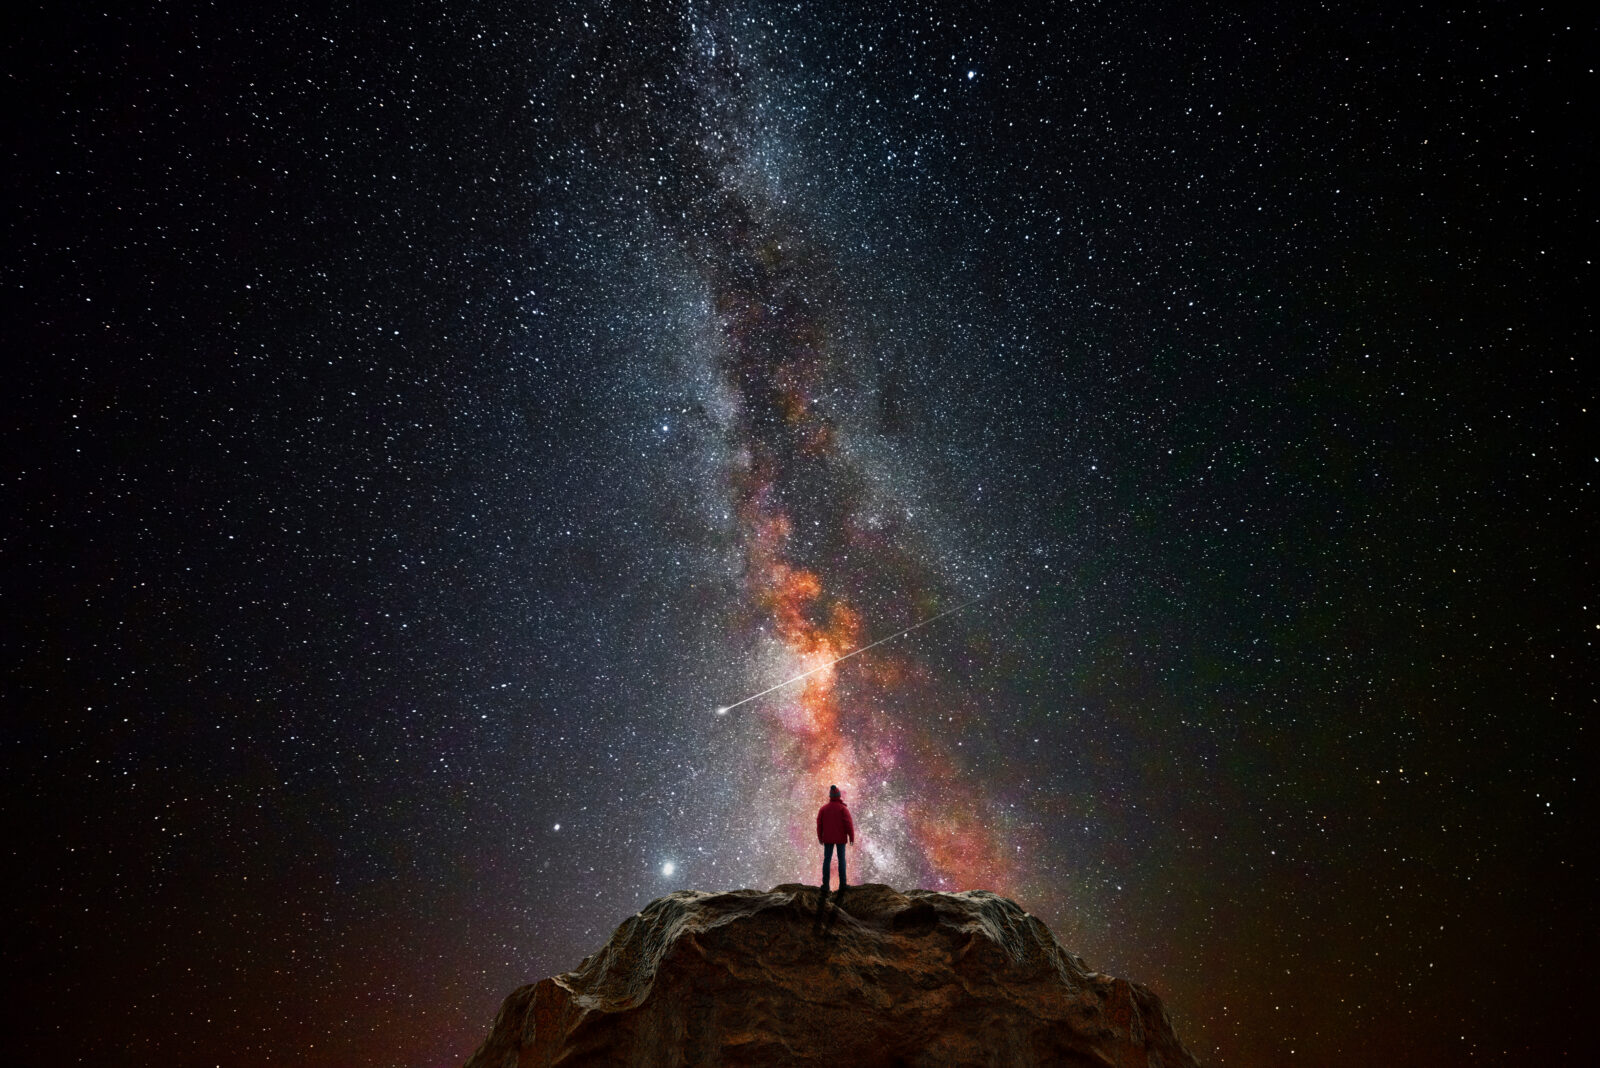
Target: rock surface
887, 978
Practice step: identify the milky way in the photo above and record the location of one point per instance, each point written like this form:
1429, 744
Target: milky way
422, 423
819, 561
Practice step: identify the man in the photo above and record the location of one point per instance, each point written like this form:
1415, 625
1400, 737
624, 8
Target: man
834, 829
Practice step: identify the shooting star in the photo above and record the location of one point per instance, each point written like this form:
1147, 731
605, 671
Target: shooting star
725, 709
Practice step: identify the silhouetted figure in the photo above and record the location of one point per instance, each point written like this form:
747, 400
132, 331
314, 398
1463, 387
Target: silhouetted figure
834, 829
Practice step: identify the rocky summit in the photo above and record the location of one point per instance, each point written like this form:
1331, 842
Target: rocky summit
884, 977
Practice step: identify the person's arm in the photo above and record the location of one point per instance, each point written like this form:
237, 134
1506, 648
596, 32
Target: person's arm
850, 826
819, 824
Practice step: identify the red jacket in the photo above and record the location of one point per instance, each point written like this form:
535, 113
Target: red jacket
834, 823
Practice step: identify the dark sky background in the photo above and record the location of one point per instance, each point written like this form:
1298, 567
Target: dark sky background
421, 419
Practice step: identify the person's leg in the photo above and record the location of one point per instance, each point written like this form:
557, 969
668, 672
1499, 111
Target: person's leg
841, 866
827, 863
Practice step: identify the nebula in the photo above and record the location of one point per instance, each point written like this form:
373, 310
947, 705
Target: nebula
822, 576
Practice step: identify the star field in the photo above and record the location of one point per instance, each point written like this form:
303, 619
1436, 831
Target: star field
428, 425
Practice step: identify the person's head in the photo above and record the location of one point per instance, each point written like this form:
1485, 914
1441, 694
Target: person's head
833, 793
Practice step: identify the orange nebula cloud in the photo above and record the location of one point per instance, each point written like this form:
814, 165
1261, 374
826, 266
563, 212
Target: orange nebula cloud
814, 556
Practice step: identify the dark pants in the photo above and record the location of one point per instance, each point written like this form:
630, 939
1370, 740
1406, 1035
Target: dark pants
827, 862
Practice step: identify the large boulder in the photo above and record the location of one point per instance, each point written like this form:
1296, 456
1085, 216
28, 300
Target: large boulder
884, 978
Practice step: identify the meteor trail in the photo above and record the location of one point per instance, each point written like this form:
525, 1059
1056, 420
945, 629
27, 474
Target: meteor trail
725, 709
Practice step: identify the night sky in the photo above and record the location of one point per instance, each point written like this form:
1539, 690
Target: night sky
423, 419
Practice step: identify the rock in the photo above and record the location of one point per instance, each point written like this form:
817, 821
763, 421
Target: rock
887, 978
